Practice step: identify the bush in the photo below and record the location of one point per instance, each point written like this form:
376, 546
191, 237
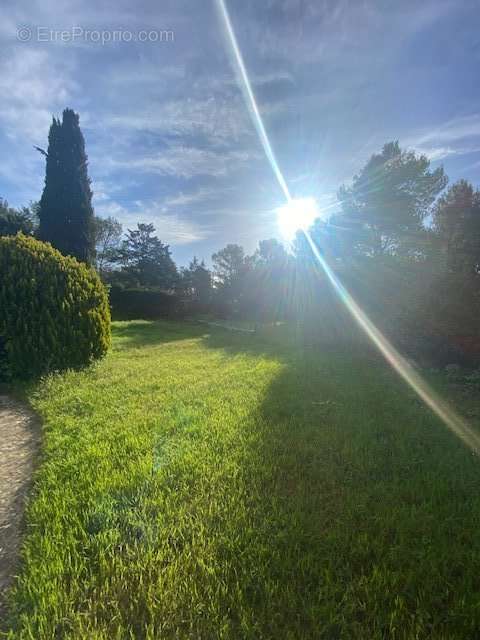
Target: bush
450, 310
54, 311
145, 304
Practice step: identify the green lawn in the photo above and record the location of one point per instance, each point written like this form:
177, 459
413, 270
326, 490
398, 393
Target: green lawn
199, 483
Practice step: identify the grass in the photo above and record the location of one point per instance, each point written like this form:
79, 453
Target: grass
212, 484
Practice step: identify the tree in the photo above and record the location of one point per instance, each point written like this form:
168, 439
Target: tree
271, 254
270, 281
66, 213
145, 260
230, 267
108, 233
456, 222
384, 209
12, 221
197, 282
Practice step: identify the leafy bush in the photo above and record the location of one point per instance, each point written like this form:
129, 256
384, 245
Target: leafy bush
54, 311
145, 304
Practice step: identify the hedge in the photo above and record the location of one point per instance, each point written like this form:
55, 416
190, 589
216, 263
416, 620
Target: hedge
145, 304
54, 311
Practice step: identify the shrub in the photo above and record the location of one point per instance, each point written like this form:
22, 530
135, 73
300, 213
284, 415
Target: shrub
450, 310
145, 304
54, 311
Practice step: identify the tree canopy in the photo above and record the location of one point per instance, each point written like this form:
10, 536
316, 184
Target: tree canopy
383, 210
108, 235
12, 220
456, 221
197, 282
145, 261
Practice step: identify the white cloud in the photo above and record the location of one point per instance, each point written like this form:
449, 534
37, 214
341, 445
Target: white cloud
170, 228
220, 119
36, 86
186, 162
454, 130
195, 197
456, 137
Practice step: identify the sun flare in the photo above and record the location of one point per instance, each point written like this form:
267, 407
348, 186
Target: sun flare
298, 213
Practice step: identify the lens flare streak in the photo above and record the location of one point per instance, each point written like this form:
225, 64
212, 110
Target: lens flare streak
453, 421
250, 99
450, 418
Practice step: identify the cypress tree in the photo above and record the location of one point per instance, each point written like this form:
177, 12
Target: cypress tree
66, 212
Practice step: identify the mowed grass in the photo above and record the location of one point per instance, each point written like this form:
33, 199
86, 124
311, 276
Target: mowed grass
217, 485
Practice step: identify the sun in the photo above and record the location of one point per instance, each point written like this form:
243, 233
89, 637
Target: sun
298, 213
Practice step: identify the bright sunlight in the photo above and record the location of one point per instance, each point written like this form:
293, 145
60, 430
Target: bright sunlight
298, 213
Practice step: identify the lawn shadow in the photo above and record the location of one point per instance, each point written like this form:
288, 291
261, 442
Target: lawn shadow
289, 342
352, 494
143, 333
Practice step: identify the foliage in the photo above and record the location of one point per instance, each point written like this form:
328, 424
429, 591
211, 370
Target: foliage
66, 213
456, 220
53, 310
12, 221
230, 266
384, 209
141, 303
196, 283
269, 282
446, 316
224, 486
145, 261
108, 234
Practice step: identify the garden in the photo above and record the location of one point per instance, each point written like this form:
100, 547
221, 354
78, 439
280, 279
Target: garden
235, 455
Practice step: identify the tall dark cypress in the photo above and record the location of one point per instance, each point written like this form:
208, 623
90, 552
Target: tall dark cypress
66, 212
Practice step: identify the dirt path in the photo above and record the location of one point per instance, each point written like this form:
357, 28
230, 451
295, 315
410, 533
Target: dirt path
19, 438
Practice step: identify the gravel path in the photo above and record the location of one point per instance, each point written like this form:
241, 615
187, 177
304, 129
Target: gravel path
19, 438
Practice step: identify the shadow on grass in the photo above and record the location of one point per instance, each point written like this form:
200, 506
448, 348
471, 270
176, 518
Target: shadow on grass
291, 342
284, 341
362, 505
142, 333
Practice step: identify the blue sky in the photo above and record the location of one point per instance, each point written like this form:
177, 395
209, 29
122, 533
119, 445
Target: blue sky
168, 135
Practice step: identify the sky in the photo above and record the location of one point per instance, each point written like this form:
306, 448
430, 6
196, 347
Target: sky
168, 135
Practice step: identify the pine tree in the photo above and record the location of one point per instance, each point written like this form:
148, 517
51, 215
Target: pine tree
384, 208
196, 282
456, 222
66, 213
145, 260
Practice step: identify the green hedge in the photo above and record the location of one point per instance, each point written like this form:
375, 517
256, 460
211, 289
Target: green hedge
54, 311
145, 304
